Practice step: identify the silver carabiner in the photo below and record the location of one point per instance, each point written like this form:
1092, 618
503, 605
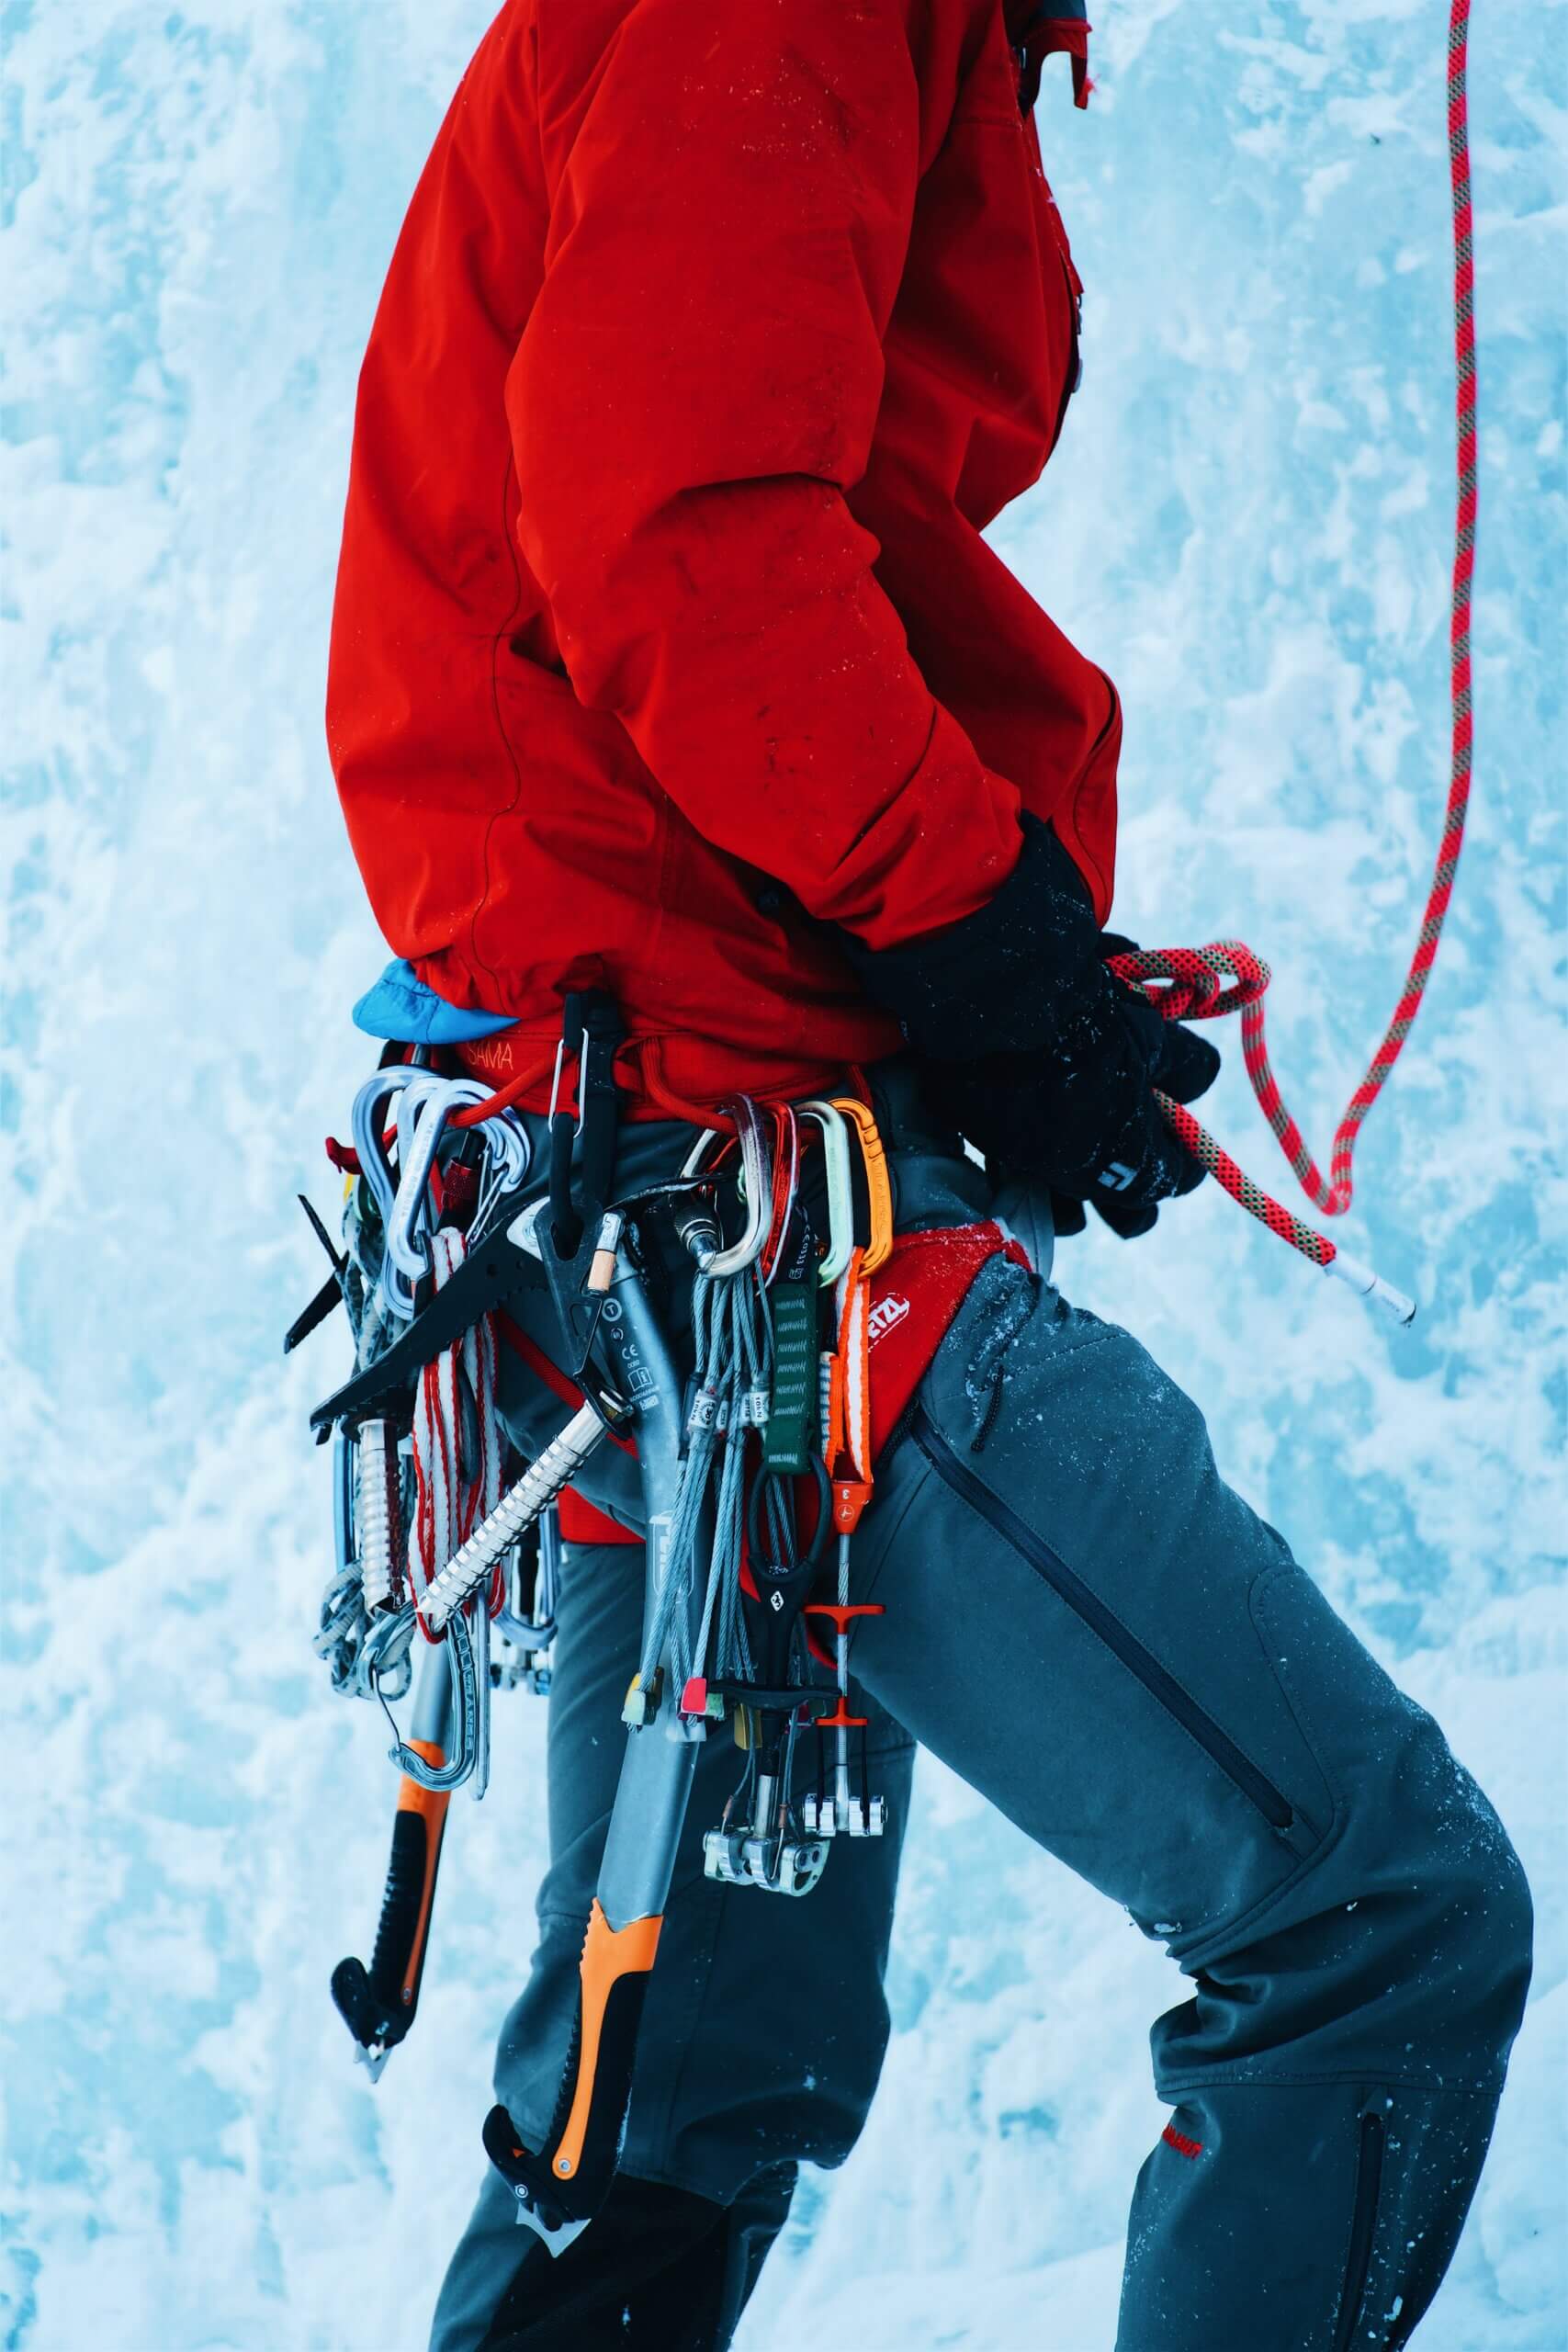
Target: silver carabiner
422, 1119
470, 1740
426, 1106
756, 1187
367, 1124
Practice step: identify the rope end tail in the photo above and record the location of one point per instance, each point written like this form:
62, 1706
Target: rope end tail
1371, 1284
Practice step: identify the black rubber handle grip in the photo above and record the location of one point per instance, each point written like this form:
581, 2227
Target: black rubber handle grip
379, 2004
567, 2180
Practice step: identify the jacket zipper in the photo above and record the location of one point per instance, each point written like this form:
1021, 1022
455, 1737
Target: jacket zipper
1369, 2181
1245, 1775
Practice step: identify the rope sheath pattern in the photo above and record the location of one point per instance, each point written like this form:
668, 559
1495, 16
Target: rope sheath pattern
1187, 983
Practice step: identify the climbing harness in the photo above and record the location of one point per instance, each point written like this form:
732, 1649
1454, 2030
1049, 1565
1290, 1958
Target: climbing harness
752, 1453
1187, 984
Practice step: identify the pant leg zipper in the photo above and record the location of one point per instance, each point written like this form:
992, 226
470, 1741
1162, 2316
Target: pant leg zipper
1363, 2220
1084, 1605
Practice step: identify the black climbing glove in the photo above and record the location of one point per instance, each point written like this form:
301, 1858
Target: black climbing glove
1187, 1068
1031, 1048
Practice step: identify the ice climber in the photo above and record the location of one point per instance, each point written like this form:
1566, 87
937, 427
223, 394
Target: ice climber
669, 658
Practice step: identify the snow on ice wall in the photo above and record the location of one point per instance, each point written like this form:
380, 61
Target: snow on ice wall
1248, 523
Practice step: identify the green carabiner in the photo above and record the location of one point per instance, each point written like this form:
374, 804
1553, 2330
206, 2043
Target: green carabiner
840, 1186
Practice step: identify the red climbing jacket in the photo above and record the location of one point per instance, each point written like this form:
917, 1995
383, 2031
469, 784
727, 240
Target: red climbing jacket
716, 333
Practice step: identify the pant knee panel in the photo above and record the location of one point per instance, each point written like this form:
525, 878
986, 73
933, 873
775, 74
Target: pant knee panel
1356, 2189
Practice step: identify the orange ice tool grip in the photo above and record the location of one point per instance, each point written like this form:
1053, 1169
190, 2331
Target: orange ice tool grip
379, 2004
569, 2177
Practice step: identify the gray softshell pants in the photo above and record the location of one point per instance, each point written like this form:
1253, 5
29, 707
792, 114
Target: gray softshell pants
1171, 1707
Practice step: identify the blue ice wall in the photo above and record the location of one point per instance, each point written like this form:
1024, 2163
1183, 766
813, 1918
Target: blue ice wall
1248, 524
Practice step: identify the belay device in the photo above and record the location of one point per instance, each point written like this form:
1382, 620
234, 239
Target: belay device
753, 1447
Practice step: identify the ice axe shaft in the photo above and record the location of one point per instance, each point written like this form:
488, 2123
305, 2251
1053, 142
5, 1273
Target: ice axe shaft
560, 2186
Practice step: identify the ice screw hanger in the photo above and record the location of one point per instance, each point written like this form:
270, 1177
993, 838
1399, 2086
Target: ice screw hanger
1185, 983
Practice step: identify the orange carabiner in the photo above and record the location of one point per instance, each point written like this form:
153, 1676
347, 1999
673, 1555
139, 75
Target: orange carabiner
878, 1184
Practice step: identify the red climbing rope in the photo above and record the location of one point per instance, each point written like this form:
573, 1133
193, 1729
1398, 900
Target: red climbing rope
1187, 983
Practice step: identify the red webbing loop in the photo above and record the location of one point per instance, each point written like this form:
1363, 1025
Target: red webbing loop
504, 1096
847, 1440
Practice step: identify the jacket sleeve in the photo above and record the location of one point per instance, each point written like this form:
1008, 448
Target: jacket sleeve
693, 395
